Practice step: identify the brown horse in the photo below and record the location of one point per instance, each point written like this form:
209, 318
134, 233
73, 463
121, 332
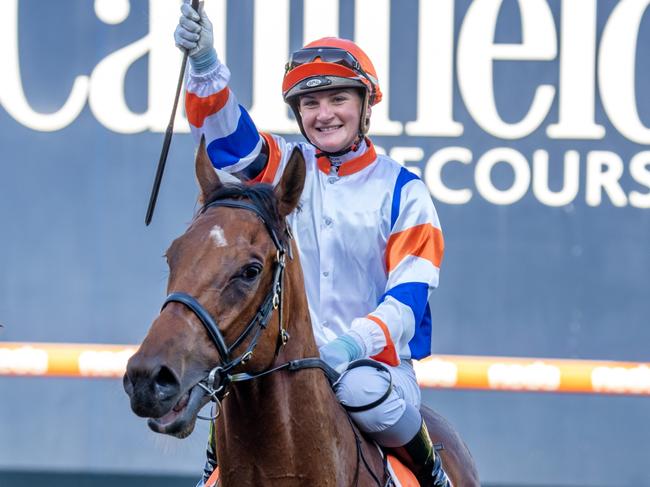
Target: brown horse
280, 427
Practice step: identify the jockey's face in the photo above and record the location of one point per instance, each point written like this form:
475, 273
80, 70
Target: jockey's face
331, 118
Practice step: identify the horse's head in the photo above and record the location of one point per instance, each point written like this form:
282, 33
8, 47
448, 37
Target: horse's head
224, 273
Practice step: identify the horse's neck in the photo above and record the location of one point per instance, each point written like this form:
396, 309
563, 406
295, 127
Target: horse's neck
280, 428
286, 428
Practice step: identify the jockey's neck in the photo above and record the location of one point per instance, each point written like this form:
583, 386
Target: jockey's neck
348, 156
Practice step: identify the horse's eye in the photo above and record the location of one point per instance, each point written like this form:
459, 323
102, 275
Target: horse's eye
251, 272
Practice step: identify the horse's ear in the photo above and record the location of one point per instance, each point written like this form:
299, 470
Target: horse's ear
205, 173
291, 184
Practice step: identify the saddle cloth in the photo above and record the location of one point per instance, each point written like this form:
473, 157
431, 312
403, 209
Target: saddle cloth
402, 476
213, 479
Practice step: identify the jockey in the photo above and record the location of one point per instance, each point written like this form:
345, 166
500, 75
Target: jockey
368, 234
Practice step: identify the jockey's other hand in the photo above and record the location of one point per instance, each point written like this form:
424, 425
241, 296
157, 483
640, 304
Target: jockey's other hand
194, 35
341, 351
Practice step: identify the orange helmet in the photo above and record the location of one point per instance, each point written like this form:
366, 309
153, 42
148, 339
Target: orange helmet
326, 64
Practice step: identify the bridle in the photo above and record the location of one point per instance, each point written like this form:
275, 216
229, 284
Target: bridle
218, 380
216, 383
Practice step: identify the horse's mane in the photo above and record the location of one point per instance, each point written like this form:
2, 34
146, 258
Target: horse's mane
261, 195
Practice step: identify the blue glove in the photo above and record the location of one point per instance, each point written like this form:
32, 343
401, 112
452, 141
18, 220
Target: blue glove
340, 352
194, 35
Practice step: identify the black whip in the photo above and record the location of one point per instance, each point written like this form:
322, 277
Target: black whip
168, 139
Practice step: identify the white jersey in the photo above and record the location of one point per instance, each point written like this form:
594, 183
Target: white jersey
367, 232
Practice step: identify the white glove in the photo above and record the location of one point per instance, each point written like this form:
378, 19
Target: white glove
194, 35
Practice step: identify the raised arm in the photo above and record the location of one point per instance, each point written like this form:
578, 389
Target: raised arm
232, 140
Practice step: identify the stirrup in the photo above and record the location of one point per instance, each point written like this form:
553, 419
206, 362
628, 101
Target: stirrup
438, 476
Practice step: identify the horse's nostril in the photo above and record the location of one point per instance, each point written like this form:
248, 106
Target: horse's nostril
127, 384
166, 383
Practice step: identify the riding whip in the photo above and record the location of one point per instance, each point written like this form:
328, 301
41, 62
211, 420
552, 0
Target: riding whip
168, 139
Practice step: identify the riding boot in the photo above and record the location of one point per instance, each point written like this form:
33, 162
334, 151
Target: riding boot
420, 456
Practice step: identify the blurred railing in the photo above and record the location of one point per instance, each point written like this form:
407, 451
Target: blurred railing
440, 371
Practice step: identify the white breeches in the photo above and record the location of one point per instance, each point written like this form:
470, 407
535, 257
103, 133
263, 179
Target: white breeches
364, 385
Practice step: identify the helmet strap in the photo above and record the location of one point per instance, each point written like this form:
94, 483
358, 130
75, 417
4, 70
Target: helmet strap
364, 121
351, 148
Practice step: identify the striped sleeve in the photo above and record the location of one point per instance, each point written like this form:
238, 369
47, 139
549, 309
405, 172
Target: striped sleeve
232, 139
276, 161
413, 256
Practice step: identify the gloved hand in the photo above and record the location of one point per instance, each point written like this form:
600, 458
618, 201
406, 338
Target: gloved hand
194, 35
340, 352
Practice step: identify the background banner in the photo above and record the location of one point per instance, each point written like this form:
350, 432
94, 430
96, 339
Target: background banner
529, 121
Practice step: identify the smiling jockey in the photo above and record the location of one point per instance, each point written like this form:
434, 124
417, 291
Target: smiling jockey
368, 234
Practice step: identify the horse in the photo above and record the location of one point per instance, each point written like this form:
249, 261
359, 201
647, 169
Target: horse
235, 278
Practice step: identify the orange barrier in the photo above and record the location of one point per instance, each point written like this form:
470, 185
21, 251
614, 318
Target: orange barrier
534, 374
440, 371
64, 359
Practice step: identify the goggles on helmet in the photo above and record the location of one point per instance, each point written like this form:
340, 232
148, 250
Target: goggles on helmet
332, 55
326, 54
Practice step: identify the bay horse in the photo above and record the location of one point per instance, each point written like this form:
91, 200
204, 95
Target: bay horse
279, 422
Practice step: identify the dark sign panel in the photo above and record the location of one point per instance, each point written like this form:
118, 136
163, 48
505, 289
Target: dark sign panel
529, 122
